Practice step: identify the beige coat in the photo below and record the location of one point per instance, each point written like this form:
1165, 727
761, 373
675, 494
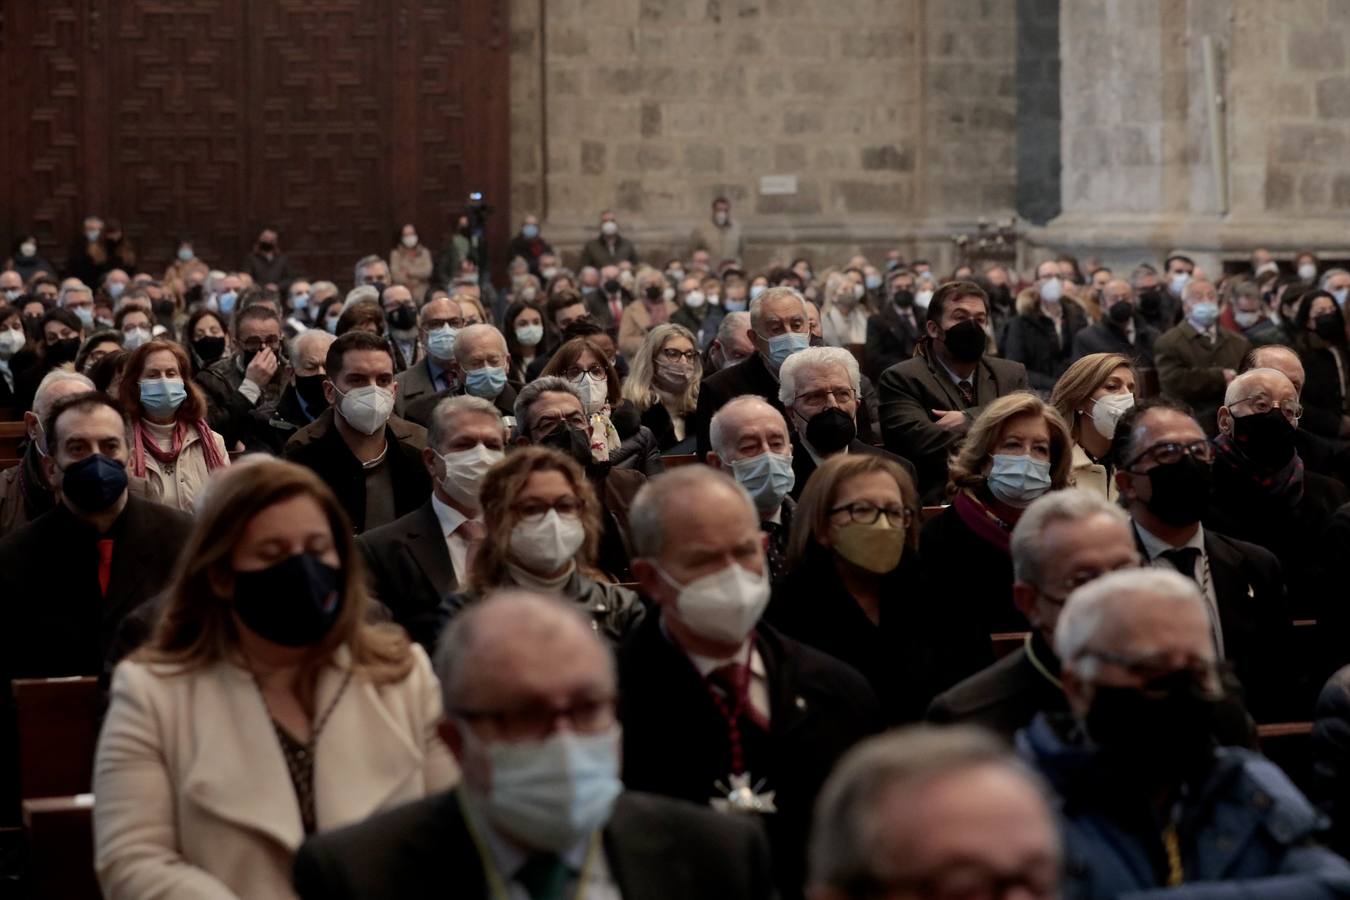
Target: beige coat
636, 322
1091, 476
194, 799
178, 484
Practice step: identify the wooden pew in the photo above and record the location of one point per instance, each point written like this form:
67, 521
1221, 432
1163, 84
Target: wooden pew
1289, 746
931, 512
680, 459
61, 847
12, 434
58, 728
1006, 642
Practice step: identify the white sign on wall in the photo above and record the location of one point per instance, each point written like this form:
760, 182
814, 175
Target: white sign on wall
778, 184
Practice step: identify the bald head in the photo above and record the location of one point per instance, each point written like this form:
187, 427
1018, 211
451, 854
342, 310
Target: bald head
477, 343
747, 426
1282, 359
669, 498
1271, 383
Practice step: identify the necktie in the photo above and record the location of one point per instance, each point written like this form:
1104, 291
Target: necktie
616, 308
773, 548
967, 392
105, 552
733, 680
544, 877
473, 533
1183, 559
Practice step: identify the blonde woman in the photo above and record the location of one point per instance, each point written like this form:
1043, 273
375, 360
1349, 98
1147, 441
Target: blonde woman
1092, 395
265, 708
1017, 449
843, 320
663, 382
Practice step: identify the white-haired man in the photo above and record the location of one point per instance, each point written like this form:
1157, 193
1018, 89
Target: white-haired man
1197, 358
750, 442
1148, 801
821, 390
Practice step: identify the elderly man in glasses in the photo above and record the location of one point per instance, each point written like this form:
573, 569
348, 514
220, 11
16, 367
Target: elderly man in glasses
820, 388
1150, 807
529, 697
1165, 473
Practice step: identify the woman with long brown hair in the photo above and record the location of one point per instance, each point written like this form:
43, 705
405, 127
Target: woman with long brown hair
265, 707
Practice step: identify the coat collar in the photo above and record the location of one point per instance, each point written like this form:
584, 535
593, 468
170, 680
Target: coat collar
362, 759
428, 548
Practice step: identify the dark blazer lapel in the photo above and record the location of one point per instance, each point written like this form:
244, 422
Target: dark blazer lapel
941, 386
788, 709
132, 562
1230, 584
427, 546
641, 860
988, 388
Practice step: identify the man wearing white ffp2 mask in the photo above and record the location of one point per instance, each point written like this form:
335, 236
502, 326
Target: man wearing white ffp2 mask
529, 697
465, 438
718, 707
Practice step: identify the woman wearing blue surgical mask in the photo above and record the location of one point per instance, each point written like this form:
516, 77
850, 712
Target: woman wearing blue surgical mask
850, 588
267, 705
526, 339
1091, 396
1017, 449
663, 385
173, 448
543, 532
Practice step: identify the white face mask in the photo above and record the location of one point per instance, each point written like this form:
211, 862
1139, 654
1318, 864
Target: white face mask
549, 544
695, 299
922, 299
1307, 271
464, 471
1107, 410
410, 241
594, 394
28, 248
1052, 290
723, 606
11, 342
366, 408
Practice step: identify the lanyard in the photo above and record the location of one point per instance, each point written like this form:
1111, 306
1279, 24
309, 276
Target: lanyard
496, 883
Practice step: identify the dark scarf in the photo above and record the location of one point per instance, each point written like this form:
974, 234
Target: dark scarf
983, 521
1283, 485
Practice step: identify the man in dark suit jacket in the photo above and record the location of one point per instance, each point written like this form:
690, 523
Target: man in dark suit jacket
69, 577
1120, 330
929, 402
419, 559
893, 332
1242, 582
434, 373
510, 666
1198, 358
718, 707
479, 349
609, 248
778, 319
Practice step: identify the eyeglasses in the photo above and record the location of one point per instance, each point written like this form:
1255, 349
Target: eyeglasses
1078, 579
597, 373
671, 355
1154, 668
589, 715
865, 513
968, 881
1261, 404
253, 345
535, 510
1169, 453
435, 324
818, 399
545, 425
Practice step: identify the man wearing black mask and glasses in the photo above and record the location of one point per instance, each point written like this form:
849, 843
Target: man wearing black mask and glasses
1165, 477
243, 390
1149, 802
550, 413
929, 402
819, 388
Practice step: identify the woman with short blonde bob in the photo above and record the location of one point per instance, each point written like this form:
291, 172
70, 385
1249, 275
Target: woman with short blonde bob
1017, 449
663, 384
543, 533
265, 707
1092, 395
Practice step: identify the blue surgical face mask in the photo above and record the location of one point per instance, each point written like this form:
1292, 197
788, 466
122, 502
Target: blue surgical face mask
1204, 314
300, 302
530, 231
162, 396
1340, 294
547, 794
873, 282
86, 314
486, 382
529, 335
225, 302
781, 346
441, 342
1177, 283
115, 289
768, 478
756, 290
330, 325
1018, 480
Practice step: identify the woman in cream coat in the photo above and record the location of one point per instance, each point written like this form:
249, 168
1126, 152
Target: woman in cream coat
264, 708
1092, 395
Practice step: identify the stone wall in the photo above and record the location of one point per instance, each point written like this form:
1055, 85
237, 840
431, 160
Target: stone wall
897, 118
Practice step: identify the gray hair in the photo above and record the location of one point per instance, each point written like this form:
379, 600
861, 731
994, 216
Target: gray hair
1328, 275
42, 400
530, 394
1095, 607
773, 293
1233, 393
816, 357
646, 519
361, 264
310, 336
845, 843
528, 612
1192, 285
472, 331
733, 323
359, 293
723, 443
439, 429
78, 287
1050, 509
316, 287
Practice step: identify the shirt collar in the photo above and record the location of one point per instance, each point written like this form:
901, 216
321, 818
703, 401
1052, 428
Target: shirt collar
449, 517
956, 379
1154, 545
706, 664
507, 855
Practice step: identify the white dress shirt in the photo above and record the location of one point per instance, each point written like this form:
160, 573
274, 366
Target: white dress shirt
450, 519
1154, 546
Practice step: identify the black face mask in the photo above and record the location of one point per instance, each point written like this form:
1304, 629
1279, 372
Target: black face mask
164, 309
1120, 311
310, 389
1328, 327
904, 299
63, 351
611, 286
572, 442
403, 317
209, 349
830, 430
966, 341
94, 483
379, 286
1001, 296
1150, 303
1180, 491
1157, 739
293, 603
1267, 438
266, 246
653, 292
